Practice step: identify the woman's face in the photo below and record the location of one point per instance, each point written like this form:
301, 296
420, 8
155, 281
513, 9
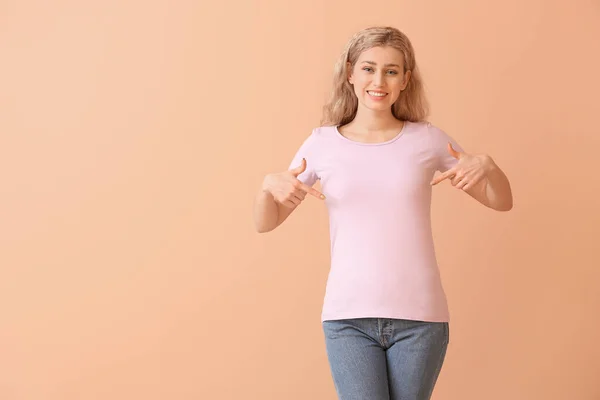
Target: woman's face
378, 77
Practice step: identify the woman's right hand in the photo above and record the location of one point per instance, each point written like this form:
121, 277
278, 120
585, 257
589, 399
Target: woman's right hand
287, 189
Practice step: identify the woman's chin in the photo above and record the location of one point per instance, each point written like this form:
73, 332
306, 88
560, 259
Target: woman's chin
376, 106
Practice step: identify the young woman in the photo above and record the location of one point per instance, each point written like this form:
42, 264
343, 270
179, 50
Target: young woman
385, 315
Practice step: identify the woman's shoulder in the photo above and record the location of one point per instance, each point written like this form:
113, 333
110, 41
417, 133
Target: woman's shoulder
429, 129
421, 126
325, 131
321, 135
317, 139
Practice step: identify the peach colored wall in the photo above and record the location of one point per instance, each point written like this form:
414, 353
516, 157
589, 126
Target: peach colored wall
134, 135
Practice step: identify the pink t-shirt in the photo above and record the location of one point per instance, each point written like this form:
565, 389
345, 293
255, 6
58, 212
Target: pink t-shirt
383, 262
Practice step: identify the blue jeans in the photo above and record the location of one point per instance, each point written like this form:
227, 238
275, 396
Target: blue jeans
385, 359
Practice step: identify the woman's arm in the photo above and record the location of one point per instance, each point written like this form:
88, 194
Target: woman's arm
279, 195
268, 214
494, 190
480, 177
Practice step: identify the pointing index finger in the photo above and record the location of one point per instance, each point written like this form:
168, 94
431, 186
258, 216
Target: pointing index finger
311, 191
442, 176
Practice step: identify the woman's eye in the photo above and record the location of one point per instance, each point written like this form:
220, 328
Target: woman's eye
391, 72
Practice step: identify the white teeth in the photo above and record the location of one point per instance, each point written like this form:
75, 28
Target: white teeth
377, 94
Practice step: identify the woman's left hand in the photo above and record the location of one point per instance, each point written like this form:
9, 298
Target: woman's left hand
468, 172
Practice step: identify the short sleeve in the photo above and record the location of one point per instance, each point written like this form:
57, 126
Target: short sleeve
443, 159
307, 151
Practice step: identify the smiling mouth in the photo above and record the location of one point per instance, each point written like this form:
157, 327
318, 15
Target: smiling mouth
376, 93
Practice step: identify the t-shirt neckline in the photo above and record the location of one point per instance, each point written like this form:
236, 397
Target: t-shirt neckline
400, 134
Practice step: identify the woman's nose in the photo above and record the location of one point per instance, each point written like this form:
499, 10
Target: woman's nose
378, 79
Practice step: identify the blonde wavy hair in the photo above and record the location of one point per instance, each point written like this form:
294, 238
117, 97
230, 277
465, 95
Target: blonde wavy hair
342, 105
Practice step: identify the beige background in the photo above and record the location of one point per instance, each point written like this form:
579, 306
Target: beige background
134, 135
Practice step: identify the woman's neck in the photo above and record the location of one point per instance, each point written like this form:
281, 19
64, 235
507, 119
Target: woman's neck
372, 121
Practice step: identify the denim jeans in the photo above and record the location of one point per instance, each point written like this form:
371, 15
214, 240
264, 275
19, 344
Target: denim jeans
385, 359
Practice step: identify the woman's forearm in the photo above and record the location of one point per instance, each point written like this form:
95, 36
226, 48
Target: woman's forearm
498, 189
266, 212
